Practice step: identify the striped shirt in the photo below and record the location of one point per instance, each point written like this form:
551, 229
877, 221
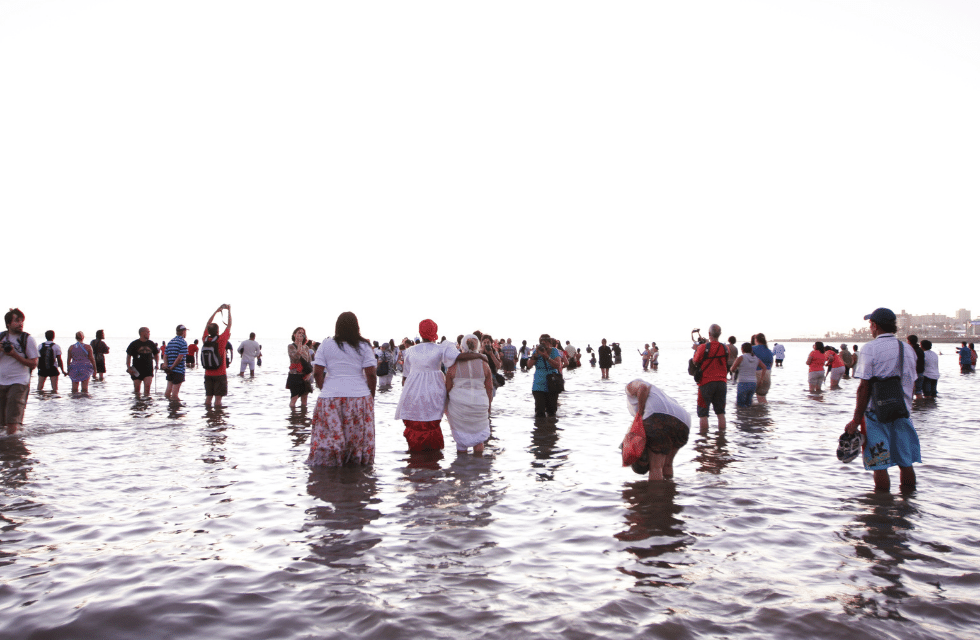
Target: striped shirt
175, 348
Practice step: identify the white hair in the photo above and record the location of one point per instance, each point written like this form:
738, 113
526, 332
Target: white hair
466, 343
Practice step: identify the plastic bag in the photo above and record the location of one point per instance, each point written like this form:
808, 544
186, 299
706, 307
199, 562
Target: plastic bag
635, 441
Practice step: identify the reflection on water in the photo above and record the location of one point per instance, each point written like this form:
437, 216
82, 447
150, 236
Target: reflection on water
126, 517
346, 499
656, 534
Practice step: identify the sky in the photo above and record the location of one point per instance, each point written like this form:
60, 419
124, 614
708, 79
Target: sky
628, 170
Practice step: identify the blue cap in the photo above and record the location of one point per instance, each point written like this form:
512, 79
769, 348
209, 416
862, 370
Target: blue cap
881, 315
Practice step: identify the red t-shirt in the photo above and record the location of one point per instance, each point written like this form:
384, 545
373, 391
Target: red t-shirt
716, 368
817, 360
222, 341
837, 362
192, 350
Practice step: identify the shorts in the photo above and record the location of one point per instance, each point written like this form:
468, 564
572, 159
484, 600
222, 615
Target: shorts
190, 361
665, 433
13, 402
890, 443
836, 374
764, 379
47, 373
779, 361
743, 397
100, 364
508, 365
247, 362
815, 377
298, 386
216, 385
141, 375
918, 384
712, 393
929, 386
175, 378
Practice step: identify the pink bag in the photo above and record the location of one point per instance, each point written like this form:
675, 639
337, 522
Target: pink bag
635, 441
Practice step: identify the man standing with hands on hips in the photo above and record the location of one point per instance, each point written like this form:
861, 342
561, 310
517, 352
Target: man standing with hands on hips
888, 442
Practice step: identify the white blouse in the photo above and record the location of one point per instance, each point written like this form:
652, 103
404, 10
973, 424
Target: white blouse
424, 394
344, 369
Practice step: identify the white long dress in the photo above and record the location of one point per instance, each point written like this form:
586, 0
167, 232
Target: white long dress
424, 395
468, 408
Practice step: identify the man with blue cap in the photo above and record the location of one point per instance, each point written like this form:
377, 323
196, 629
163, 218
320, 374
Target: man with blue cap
890, 437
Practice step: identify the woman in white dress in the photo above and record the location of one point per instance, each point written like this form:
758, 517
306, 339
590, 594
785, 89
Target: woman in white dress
470, 388
423, 398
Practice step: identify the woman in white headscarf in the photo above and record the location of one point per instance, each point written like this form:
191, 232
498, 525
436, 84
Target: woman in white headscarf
470, 388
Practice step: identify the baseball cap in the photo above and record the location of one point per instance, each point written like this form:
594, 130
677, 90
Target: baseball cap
881, 315
180, 328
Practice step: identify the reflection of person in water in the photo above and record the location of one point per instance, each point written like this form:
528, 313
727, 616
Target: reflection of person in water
335, 525
880, 535
653, 515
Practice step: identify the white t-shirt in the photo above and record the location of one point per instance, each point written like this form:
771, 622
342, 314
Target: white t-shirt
249, 348
657, 402
880, 359
932, 365
13, 372
344, 369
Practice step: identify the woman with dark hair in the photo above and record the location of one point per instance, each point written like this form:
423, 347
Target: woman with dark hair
343, 421
99, 349
605, 359
423, 398
545, 359
815, 361
763, 375
81, 363
300, 369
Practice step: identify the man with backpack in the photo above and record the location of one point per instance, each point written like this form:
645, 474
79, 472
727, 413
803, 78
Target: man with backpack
213, 359
18, 357
49, 362
712, 359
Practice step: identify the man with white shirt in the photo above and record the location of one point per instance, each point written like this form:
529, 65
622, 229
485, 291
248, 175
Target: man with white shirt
18, 358
249, 350
894, 442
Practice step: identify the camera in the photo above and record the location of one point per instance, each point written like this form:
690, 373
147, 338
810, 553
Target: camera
7, 347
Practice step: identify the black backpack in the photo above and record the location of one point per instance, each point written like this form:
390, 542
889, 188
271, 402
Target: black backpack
211, 356
696, 369
46, 356
383, 366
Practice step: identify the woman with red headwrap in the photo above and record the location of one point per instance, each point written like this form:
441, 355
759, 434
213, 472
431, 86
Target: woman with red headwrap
423, 398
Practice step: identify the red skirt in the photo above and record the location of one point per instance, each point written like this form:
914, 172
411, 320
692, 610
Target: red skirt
423, 436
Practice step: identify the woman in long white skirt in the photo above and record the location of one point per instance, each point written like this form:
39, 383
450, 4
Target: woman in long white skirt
470, 392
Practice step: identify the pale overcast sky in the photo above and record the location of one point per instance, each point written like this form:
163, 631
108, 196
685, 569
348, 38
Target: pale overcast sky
619, 169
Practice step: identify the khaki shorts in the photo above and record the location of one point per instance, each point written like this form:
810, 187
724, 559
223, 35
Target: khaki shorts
13, 402
216, 385
764, 379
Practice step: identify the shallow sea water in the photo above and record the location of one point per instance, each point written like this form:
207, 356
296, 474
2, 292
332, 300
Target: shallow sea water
125, 518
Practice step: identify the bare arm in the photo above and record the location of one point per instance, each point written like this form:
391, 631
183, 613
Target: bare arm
863, 395
371, 376
488, 381
641, 400
318, 376
737, 362
450, 376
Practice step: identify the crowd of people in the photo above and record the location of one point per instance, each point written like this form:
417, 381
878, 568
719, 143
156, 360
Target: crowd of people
459, 380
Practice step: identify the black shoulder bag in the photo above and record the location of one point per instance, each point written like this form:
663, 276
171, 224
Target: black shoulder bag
556, 383
888, 395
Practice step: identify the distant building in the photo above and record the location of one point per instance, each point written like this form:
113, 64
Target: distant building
963, 316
